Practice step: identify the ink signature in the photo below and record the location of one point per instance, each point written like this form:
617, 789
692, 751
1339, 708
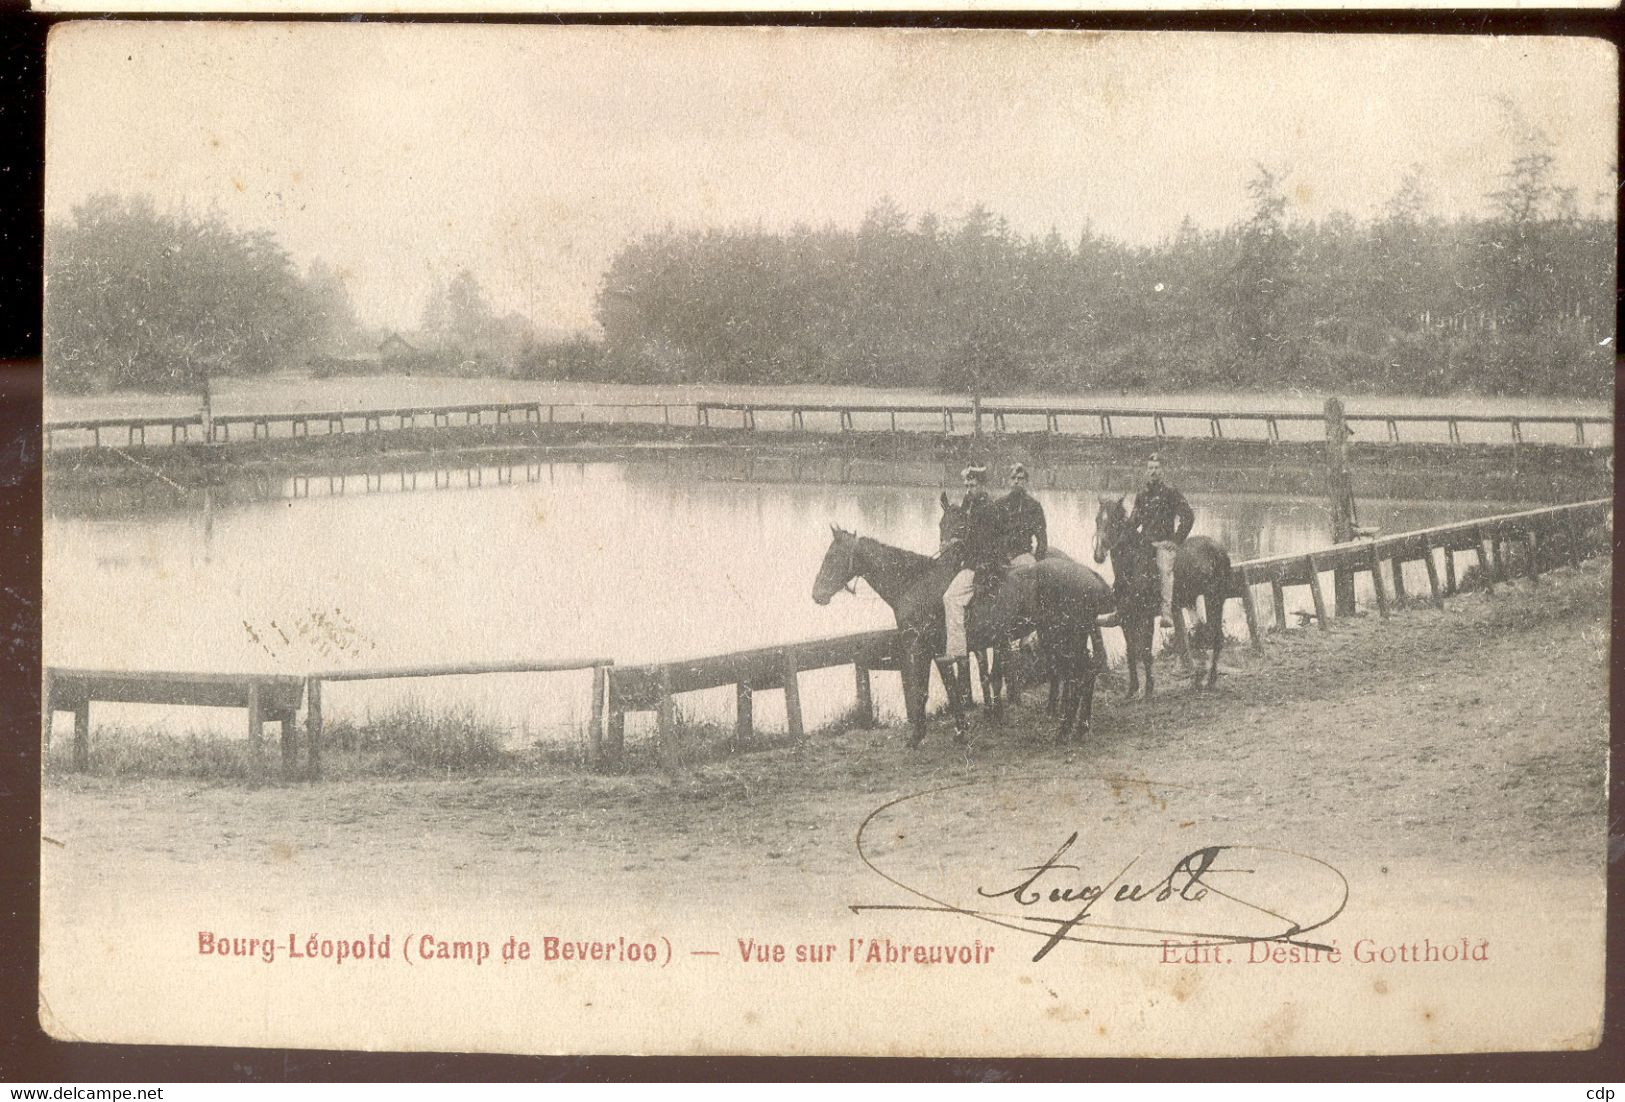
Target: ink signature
1086, 892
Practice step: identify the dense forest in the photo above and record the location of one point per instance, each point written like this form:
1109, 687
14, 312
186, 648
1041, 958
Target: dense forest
142, 299
1518, 302
136, 298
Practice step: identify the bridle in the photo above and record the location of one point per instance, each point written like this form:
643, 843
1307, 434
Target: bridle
1120, 532
851, 585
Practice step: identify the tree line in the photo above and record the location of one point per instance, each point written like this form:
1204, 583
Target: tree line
143, 299
1520, 301
1517, 301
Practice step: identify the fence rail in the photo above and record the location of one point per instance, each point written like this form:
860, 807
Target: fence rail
654, 687
1102, 421
1105, 418
1566, 532
338, 421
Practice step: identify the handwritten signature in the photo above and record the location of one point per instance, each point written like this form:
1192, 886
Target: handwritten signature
1220, 894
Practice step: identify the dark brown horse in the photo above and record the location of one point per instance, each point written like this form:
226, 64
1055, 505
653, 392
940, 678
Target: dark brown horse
1070, 597
1201, 569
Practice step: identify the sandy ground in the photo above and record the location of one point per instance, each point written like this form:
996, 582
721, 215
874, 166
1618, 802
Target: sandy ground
1452, 764
1437, 737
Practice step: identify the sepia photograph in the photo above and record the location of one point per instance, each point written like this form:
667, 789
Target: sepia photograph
678, 540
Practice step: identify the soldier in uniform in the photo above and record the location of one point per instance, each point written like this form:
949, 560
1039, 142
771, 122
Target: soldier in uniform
976, 549
1025, 535
1165, 517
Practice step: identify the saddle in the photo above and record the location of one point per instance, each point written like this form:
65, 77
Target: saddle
1006, 594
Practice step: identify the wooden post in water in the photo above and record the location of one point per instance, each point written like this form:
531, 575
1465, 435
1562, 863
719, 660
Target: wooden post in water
1340, 490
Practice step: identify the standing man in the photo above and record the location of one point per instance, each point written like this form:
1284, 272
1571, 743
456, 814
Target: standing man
1025, 534
975, 548
1165, 517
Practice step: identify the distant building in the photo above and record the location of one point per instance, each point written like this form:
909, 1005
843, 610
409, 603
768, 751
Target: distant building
394, 347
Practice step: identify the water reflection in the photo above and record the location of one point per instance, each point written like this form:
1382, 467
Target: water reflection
633, 561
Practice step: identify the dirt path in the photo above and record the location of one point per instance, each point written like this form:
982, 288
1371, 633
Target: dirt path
1438, 742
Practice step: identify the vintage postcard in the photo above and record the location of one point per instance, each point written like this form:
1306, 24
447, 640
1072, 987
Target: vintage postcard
805, 541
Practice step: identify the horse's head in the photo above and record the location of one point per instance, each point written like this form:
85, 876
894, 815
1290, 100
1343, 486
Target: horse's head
839, 567
1111, 520
951, 528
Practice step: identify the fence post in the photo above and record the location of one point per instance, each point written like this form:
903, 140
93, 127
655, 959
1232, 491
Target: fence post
1433, 578
1483, 561
290, 743
1378, 584
866, 700
615, 736
313, 727
744, 713
256, 729
1250, 607
792, 694
595, 730
1317, 594
81, 736
666, 723
1340, 488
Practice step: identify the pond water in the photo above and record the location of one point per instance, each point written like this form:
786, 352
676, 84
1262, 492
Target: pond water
634, 561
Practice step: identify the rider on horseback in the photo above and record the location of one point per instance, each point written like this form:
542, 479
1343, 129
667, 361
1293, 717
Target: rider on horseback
1165, 517
974, 551
1025, 536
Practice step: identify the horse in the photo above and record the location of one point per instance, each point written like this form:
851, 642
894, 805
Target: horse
912, 584
1201, 569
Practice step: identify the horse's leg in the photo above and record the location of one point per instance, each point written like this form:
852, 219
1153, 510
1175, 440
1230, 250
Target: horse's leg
984, 675
1010, 676
1069, 691
956, 679
993, 687
1131, 647
916, 684
1087, 692
1148, 653
1215, 624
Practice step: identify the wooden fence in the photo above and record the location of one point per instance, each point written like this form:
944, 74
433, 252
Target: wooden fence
654, 687
1102, 421
339, 421
267, 697
1565, 532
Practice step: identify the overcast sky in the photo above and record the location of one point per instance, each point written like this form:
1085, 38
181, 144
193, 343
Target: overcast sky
528, 154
